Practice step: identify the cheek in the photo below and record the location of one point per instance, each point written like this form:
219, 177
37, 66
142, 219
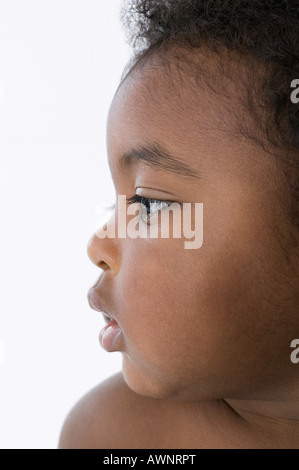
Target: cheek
174, 305
180, 324
203, 315
158, 305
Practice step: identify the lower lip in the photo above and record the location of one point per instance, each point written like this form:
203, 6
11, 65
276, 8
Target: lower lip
109, 336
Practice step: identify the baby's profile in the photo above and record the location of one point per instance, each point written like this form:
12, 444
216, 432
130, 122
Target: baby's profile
206, 118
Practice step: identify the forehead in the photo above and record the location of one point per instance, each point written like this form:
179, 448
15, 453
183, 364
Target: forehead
151, 106
177, 89
193, 119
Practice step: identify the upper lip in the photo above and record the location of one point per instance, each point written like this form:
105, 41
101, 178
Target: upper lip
97, 304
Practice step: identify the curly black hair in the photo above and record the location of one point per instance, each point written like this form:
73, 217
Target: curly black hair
263, 32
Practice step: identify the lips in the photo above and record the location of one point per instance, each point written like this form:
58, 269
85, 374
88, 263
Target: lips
95, 302
110, 334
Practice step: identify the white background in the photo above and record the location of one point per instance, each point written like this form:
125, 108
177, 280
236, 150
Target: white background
60, 64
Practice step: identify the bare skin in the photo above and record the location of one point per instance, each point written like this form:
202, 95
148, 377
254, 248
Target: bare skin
112, 416
205, 334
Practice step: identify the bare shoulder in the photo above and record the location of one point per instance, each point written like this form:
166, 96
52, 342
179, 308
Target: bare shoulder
113, 416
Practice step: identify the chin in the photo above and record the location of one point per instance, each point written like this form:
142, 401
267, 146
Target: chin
153, 385
143, 382
157, 384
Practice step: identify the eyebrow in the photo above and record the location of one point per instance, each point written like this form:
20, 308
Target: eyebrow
156, 157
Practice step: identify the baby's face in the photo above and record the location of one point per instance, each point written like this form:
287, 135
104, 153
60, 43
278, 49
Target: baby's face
198, 323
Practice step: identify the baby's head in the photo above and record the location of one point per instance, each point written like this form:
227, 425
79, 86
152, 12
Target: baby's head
204, 114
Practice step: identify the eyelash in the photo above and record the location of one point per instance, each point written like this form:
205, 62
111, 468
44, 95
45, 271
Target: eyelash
147, 203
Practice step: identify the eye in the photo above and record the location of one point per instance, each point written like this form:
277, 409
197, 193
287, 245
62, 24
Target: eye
149, 206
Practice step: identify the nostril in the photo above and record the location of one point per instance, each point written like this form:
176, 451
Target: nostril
102, 265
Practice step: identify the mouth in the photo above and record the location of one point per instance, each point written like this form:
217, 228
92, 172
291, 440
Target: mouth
95, 302
110, 334
107, 318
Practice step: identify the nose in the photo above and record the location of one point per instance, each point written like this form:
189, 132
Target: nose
103, 252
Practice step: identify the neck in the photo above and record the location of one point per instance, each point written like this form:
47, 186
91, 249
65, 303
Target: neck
273, 423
